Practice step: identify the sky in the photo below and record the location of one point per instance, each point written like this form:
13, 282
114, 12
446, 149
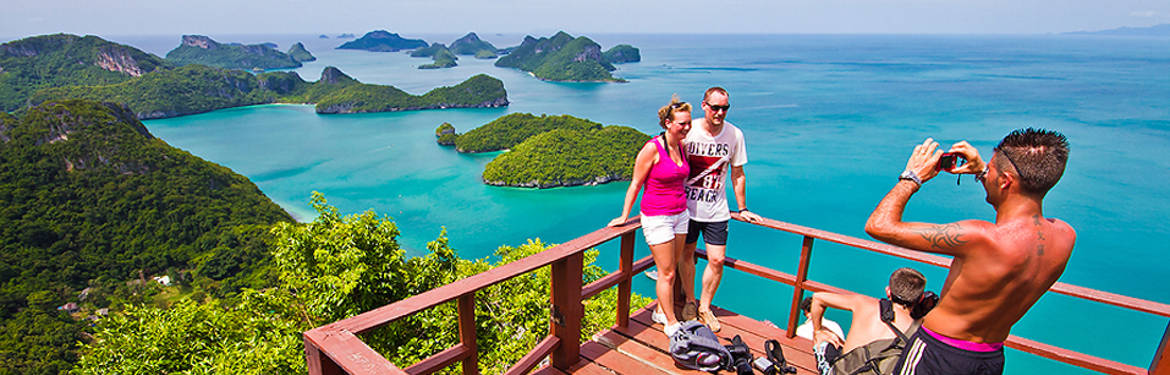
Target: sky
164, 17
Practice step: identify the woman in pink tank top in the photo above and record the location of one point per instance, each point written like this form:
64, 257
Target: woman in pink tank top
661, 168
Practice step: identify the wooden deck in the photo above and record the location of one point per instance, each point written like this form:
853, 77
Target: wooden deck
642, 348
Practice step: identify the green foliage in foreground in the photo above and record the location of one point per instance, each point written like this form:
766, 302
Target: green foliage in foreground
38, 62
510, 130
567, 157
332, 268
560, 58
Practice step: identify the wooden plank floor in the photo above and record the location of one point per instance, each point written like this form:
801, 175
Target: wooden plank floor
643, 348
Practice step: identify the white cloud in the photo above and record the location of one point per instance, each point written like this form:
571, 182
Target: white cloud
1144, 13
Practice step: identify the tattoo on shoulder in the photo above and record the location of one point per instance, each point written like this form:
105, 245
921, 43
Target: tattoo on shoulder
945, 236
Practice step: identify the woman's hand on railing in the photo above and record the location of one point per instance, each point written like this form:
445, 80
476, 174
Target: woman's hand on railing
618, 221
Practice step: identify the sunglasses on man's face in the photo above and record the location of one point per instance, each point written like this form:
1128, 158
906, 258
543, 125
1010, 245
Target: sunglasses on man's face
717, 108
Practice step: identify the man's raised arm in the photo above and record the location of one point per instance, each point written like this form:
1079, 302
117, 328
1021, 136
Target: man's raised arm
885, 223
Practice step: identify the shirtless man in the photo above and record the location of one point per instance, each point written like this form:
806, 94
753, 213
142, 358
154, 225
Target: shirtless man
904, 291
999, 269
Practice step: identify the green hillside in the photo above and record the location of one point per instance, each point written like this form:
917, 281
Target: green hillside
38, 62
198, 49
90, 199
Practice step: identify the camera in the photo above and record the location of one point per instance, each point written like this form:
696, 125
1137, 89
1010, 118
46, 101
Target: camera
924, 305
950, 160
741, 357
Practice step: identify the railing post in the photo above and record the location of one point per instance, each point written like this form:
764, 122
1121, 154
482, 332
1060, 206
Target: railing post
1161, 363
318, 363
466, 307
798, 286
626, 268
567, 310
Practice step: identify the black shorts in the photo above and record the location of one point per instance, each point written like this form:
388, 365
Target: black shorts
714, 233
927, 355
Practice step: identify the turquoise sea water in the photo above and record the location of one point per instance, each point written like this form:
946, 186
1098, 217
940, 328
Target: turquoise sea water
829, 121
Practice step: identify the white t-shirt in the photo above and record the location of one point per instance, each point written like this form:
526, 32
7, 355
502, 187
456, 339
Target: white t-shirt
710, 159
806, 329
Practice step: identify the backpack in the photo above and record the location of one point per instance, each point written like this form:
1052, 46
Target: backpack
694, 346
878, 357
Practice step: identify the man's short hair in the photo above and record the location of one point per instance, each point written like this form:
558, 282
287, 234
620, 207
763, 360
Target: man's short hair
717, 89
1040, 156
806, 304
906, 286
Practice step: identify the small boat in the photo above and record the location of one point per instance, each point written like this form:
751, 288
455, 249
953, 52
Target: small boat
652, 274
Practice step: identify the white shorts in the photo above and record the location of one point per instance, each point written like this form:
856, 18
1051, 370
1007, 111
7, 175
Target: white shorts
662, 228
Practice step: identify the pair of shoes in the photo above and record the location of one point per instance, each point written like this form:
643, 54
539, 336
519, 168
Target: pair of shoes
708, 318
690, 311
658, 317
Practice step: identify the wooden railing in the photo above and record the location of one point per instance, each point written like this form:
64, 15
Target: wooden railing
336, 349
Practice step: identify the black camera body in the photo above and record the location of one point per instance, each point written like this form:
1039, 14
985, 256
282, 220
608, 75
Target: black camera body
741, 357
924, 305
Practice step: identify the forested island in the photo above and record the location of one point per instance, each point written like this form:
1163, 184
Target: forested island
550, 151
383, 41
94, 206
564, 58
199, 49
470, 44
439, 53
299, 53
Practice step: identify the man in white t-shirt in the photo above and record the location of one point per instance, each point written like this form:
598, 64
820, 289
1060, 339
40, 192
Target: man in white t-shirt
713, 148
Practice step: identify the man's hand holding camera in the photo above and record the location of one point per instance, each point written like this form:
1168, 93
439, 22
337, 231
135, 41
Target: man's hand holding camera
926, 161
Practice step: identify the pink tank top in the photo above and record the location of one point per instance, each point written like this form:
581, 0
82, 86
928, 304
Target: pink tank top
663, 194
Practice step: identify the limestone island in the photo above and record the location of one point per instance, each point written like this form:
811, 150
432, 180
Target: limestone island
383, 41
47, 61
470, 44
552, 151
562, 58
199, 49
441, 56
300, 54
445, 134
58, 67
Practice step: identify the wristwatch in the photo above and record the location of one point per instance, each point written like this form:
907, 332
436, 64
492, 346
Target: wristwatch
910, 175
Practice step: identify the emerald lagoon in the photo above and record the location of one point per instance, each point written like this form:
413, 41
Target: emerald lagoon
829, 122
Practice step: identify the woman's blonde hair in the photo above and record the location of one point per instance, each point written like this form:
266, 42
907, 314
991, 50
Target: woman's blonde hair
666, 113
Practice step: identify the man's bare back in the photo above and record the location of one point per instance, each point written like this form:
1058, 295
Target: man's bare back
1008, 268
